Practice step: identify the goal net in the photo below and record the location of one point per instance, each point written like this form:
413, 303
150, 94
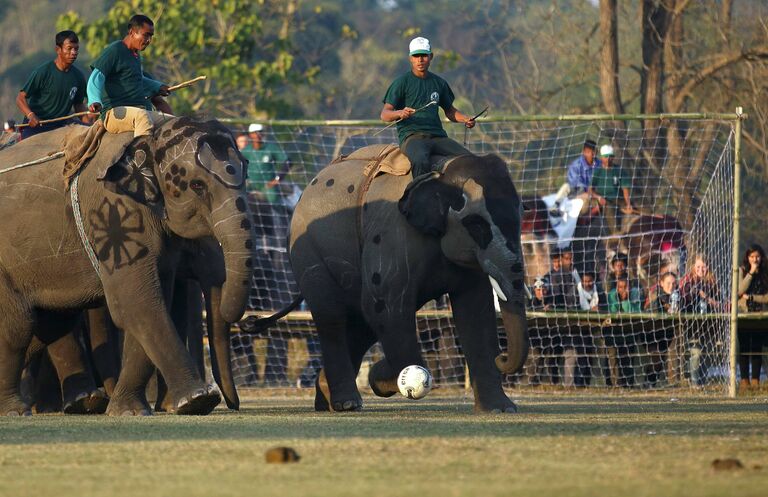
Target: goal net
631, 288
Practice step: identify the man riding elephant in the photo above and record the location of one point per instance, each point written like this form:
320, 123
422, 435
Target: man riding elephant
412, 101
118, 87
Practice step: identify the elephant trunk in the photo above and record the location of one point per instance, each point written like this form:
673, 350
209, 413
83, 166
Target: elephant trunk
516, 328
219, 343
234, 232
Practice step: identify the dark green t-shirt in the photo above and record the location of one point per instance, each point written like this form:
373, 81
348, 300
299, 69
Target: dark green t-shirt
412, 91
51, 93
262, 168
609, 182
123, 77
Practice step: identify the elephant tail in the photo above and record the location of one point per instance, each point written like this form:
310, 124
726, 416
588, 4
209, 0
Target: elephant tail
255, 325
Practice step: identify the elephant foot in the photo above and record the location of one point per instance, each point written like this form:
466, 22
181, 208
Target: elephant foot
15, 407
348, 405
200, 402
380, 381
95, 402
164, 404
500, 406
337, 402
128, 405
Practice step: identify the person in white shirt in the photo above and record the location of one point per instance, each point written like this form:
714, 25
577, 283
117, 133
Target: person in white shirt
588, 295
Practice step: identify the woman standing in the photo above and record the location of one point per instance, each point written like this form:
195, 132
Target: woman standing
753, 297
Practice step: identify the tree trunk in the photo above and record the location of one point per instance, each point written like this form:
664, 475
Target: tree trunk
609, 58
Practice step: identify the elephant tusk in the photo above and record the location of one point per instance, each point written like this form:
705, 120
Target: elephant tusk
528, 292
497, 288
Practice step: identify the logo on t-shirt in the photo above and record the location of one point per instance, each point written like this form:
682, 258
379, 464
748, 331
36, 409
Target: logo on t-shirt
435, 97
72, 92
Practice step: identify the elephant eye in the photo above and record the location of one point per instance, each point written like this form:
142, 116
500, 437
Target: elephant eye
197, 186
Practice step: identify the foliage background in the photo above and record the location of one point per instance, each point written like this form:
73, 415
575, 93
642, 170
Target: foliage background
334, 59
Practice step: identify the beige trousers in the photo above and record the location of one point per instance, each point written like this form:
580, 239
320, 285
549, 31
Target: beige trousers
140, 121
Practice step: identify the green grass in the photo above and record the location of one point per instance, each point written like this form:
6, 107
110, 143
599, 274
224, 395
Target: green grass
557, 445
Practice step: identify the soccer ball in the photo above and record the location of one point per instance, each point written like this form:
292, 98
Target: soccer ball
414, 382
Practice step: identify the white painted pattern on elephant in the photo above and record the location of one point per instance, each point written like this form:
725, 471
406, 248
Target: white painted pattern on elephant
172, 156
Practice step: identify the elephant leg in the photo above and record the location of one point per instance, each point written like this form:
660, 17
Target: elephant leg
129, 397
156, 334
15, 337
401, 348
103, 339
475, 319
78, 388
360, 338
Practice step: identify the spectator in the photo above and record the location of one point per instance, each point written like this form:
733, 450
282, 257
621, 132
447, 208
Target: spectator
579, 178
53, 88
623, 298
699, 294
589, 297
666, 266
610, 183
753, 297
618, 269
542, 301
564, 280
666, 301
271, 225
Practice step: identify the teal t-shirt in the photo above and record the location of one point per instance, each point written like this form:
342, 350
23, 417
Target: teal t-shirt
412, 91
609, 182
262, 167
123, 77
51, 93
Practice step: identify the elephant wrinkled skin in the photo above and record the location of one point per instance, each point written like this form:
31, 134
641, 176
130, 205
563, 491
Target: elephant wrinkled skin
184, 181
366, 269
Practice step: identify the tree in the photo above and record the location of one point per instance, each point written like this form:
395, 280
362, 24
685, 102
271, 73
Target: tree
242, 46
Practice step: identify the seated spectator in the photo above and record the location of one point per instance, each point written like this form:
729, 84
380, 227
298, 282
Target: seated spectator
564, 281
666, 266
579, 178
753, 297
699, 294
623, 298
542, 301
666, 301
617, 269
589, 298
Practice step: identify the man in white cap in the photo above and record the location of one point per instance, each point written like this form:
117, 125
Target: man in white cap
609, 184
263, 160
412, 100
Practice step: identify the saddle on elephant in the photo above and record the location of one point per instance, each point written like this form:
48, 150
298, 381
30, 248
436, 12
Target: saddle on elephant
81, 144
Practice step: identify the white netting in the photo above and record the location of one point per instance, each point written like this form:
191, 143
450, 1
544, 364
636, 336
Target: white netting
681, 175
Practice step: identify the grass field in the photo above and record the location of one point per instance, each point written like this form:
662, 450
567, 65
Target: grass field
557, 445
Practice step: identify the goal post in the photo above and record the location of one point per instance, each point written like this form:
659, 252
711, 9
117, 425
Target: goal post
683, 178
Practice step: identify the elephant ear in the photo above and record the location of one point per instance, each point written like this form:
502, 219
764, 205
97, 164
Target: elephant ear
426, 201
133, 174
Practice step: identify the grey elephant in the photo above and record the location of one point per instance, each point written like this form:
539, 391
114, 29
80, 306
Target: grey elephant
368, 250
115, 237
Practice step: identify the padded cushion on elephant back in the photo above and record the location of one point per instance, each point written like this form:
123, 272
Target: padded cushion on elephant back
380, 159
82, 145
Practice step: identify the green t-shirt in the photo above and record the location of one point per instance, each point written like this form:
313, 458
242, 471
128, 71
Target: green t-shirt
412, 91
609, 182
262, 167
123, 77
51, 93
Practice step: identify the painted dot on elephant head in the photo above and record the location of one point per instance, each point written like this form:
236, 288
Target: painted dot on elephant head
246, 283
231, 169
168, 176
377, 239
176, 180
175, 169
182, 171
350, 188
183, 185
240, 204
329, 182
249, 244
376, 279
176, 193
517, 268
314, 182
245, 224
379, 306
248, 262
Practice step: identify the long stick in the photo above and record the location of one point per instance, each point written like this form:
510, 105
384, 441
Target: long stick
395, 122
466, 130
56, 119
186, 83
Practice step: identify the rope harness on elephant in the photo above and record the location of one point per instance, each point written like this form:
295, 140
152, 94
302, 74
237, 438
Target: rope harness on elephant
49, 157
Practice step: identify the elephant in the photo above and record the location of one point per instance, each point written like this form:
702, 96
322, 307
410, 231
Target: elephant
368, 254
114, 237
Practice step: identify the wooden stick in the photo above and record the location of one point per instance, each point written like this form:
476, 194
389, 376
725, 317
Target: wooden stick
186, 83
56, 119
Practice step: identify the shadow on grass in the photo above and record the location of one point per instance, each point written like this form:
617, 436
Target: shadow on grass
281, 419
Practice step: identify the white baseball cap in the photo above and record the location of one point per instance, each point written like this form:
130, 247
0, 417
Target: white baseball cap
419, 46
255, 128
607, 151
